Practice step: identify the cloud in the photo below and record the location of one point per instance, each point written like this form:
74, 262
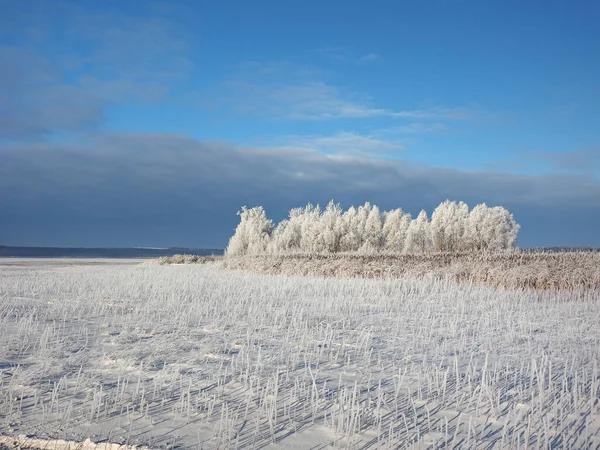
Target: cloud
584, 161
343, 143
438, 113
579, 160
345, 55
370, 57
92, 59
287, 91
35, 101
420, 128
333, 53
317, 100
157, 189
120, 91
151, 44
137, 48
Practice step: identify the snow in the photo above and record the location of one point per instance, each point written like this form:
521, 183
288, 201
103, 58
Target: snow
23, 441
195, 357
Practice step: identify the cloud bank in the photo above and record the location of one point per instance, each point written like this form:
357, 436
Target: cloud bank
160, 189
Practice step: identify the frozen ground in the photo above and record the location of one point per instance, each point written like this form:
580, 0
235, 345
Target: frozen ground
189, 356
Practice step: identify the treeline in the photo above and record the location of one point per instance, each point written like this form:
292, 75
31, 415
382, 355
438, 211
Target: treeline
366, 229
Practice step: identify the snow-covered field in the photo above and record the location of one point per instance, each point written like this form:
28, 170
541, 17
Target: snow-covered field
191, 356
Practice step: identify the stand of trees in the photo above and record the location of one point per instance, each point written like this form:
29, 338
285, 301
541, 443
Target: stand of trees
366, 229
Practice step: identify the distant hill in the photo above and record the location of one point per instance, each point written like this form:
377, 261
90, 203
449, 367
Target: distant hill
81, 252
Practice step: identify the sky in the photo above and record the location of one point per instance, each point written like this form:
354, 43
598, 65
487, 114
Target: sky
151, 123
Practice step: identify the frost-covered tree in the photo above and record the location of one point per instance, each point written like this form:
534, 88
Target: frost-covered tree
362, 214
310, 229
351, 239
285, 238
395, 227
448, 224
491, 228
372, 237
331, 228
418, 235
367, 230
276, 244
475, 233
252, 233
506, 229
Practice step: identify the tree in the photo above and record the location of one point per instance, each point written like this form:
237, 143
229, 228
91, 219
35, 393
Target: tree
504, 231
286, 236
395, 227
491, 228
367, 230
372, 238
310, 241
331, 227
350, 241
418, 235
278, 242
360, 223
252, 233
448, 224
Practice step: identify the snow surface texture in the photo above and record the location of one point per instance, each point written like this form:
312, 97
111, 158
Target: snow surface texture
23, 442
195, 357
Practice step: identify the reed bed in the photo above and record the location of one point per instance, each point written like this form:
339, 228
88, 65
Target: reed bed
507, 270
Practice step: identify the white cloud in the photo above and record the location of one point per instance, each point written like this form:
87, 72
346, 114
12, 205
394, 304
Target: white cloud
286, 90
343, 143
421, 128
370, 57
317, 100
437, 113
345, 55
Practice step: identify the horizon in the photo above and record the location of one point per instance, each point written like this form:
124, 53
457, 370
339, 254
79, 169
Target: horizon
149, 125
178, 247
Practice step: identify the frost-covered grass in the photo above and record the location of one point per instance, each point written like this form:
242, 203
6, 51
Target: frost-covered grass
198, 357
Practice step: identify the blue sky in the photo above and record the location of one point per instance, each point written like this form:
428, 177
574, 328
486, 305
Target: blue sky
151, 123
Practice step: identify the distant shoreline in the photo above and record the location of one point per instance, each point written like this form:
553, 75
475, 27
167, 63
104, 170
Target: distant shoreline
99, 252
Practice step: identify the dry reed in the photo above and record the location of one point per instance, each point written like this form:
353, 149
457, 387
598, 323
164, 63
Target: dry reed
511, 270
